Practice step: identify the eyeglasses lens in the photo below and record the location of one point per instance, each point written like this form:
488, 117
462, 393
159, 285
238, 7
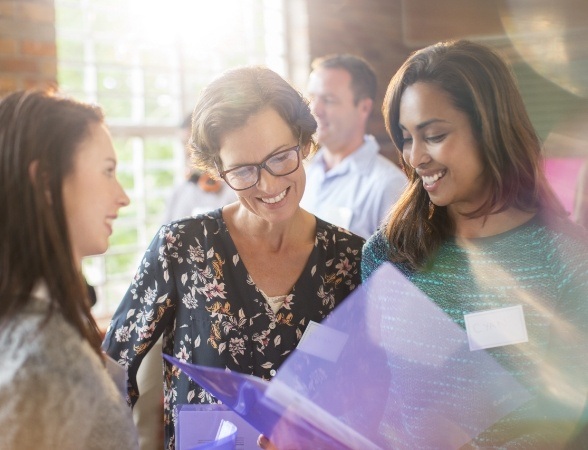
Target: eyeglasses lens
280, 164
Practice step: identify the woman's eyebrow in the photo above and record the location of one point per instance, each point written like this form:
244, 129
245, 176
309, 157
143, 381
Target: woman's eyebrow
424, 124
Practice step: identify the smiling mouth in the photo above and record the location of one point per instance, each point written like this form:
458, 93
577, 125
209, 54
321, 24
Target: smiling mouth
430, 180
275, 199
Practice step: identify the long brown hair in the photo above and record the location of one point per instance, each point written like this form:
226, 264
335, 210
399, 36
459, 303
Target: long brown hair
481, 85
39, 135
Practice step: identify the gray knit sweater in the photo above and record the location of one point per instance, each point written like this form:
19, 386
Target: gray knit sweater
54, 391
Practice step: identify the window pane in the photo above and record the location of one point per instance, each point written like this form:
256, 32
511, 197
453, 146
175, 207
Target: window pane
145, 65
71, 78
159, 149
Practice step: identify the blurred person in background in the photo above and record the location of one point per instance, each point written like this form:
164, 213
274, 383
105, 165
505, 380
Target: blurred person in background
349, 182
199, 192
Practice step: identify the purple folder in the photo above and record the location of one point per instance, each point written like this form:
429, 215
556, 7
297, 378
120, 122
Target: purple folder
197, 429
387, 369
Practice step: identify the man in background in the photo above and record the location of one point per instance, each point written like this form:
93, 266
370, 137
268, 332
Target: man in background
349, 183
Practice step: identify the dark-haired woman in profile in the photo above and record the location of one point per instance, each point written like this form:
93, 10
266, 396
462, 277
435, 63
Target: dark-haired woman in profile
58, 199
479, 229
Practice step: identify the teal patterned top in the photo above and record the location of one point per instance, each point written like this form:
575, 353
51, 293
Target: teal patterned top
544, 268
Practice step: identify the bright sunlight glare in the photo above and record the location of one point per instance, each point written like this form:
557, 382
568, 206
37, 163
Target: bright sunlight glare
197, 21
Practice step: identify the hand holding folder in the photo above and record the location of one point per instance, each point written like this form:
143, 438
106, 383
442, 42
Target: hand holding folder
379, 372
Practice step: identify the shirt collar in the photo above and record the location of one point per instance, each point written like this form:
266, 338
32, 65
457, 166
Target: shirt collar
359, 160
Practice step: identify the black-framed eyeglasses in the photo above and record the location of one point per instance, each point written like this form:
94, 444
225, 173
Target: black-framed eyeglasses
278, 164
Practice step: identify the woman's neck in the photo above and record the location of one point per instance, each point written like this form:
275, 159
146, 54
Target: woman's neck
271, 236
490, 225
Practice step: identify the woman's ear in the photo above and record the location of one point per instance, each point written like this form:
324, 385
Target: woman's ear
306, 149
366, 105
33, 167
34, 177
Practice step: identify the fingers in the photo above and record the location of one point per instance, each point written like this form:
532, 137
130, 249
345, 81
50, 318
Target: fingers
263, 442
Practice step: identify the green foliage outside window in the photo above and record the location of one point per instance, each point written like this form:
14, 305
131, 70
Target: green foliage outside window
146, 77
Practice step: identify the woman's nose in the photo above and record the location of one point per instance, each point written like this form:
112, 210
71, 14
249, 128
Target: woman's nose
266, 180
416, 154
124, 199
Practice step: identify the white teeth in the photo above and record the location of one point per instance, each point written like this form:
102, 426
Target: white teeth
275, 199
431, 179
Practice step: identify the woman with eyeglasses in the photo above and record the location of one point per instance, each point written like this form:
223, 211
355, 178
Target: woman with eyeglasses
237, 287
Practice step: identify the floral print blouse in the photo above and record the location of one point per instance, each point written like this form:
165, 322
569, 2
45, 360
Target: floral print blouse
193, 288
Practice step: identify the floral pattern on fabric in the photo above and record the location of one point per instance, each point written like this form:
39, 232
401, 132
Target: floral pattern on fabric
193, 288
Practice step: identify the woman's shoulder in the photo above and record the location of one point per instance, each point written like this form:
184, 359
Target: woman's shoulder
556, 232
206, 218
567, 240
333, 233
18, 340
48, 359
377, 242
376, 252
36, 338
204, 224
54, 346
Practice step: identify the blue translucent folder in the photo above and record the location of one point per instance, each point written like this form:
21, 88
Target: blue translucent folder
387, 369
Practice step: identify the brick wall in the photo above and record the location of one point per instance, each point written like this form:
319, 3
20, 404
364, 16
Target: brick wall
27, 44
385, 32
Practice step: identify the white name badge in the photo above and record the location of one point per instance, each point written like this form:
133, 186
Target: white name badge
496, 328
327, 343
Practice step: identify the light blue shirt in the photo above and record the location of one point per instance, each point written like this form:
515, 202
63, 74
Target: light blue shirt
189, 199
357, 193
